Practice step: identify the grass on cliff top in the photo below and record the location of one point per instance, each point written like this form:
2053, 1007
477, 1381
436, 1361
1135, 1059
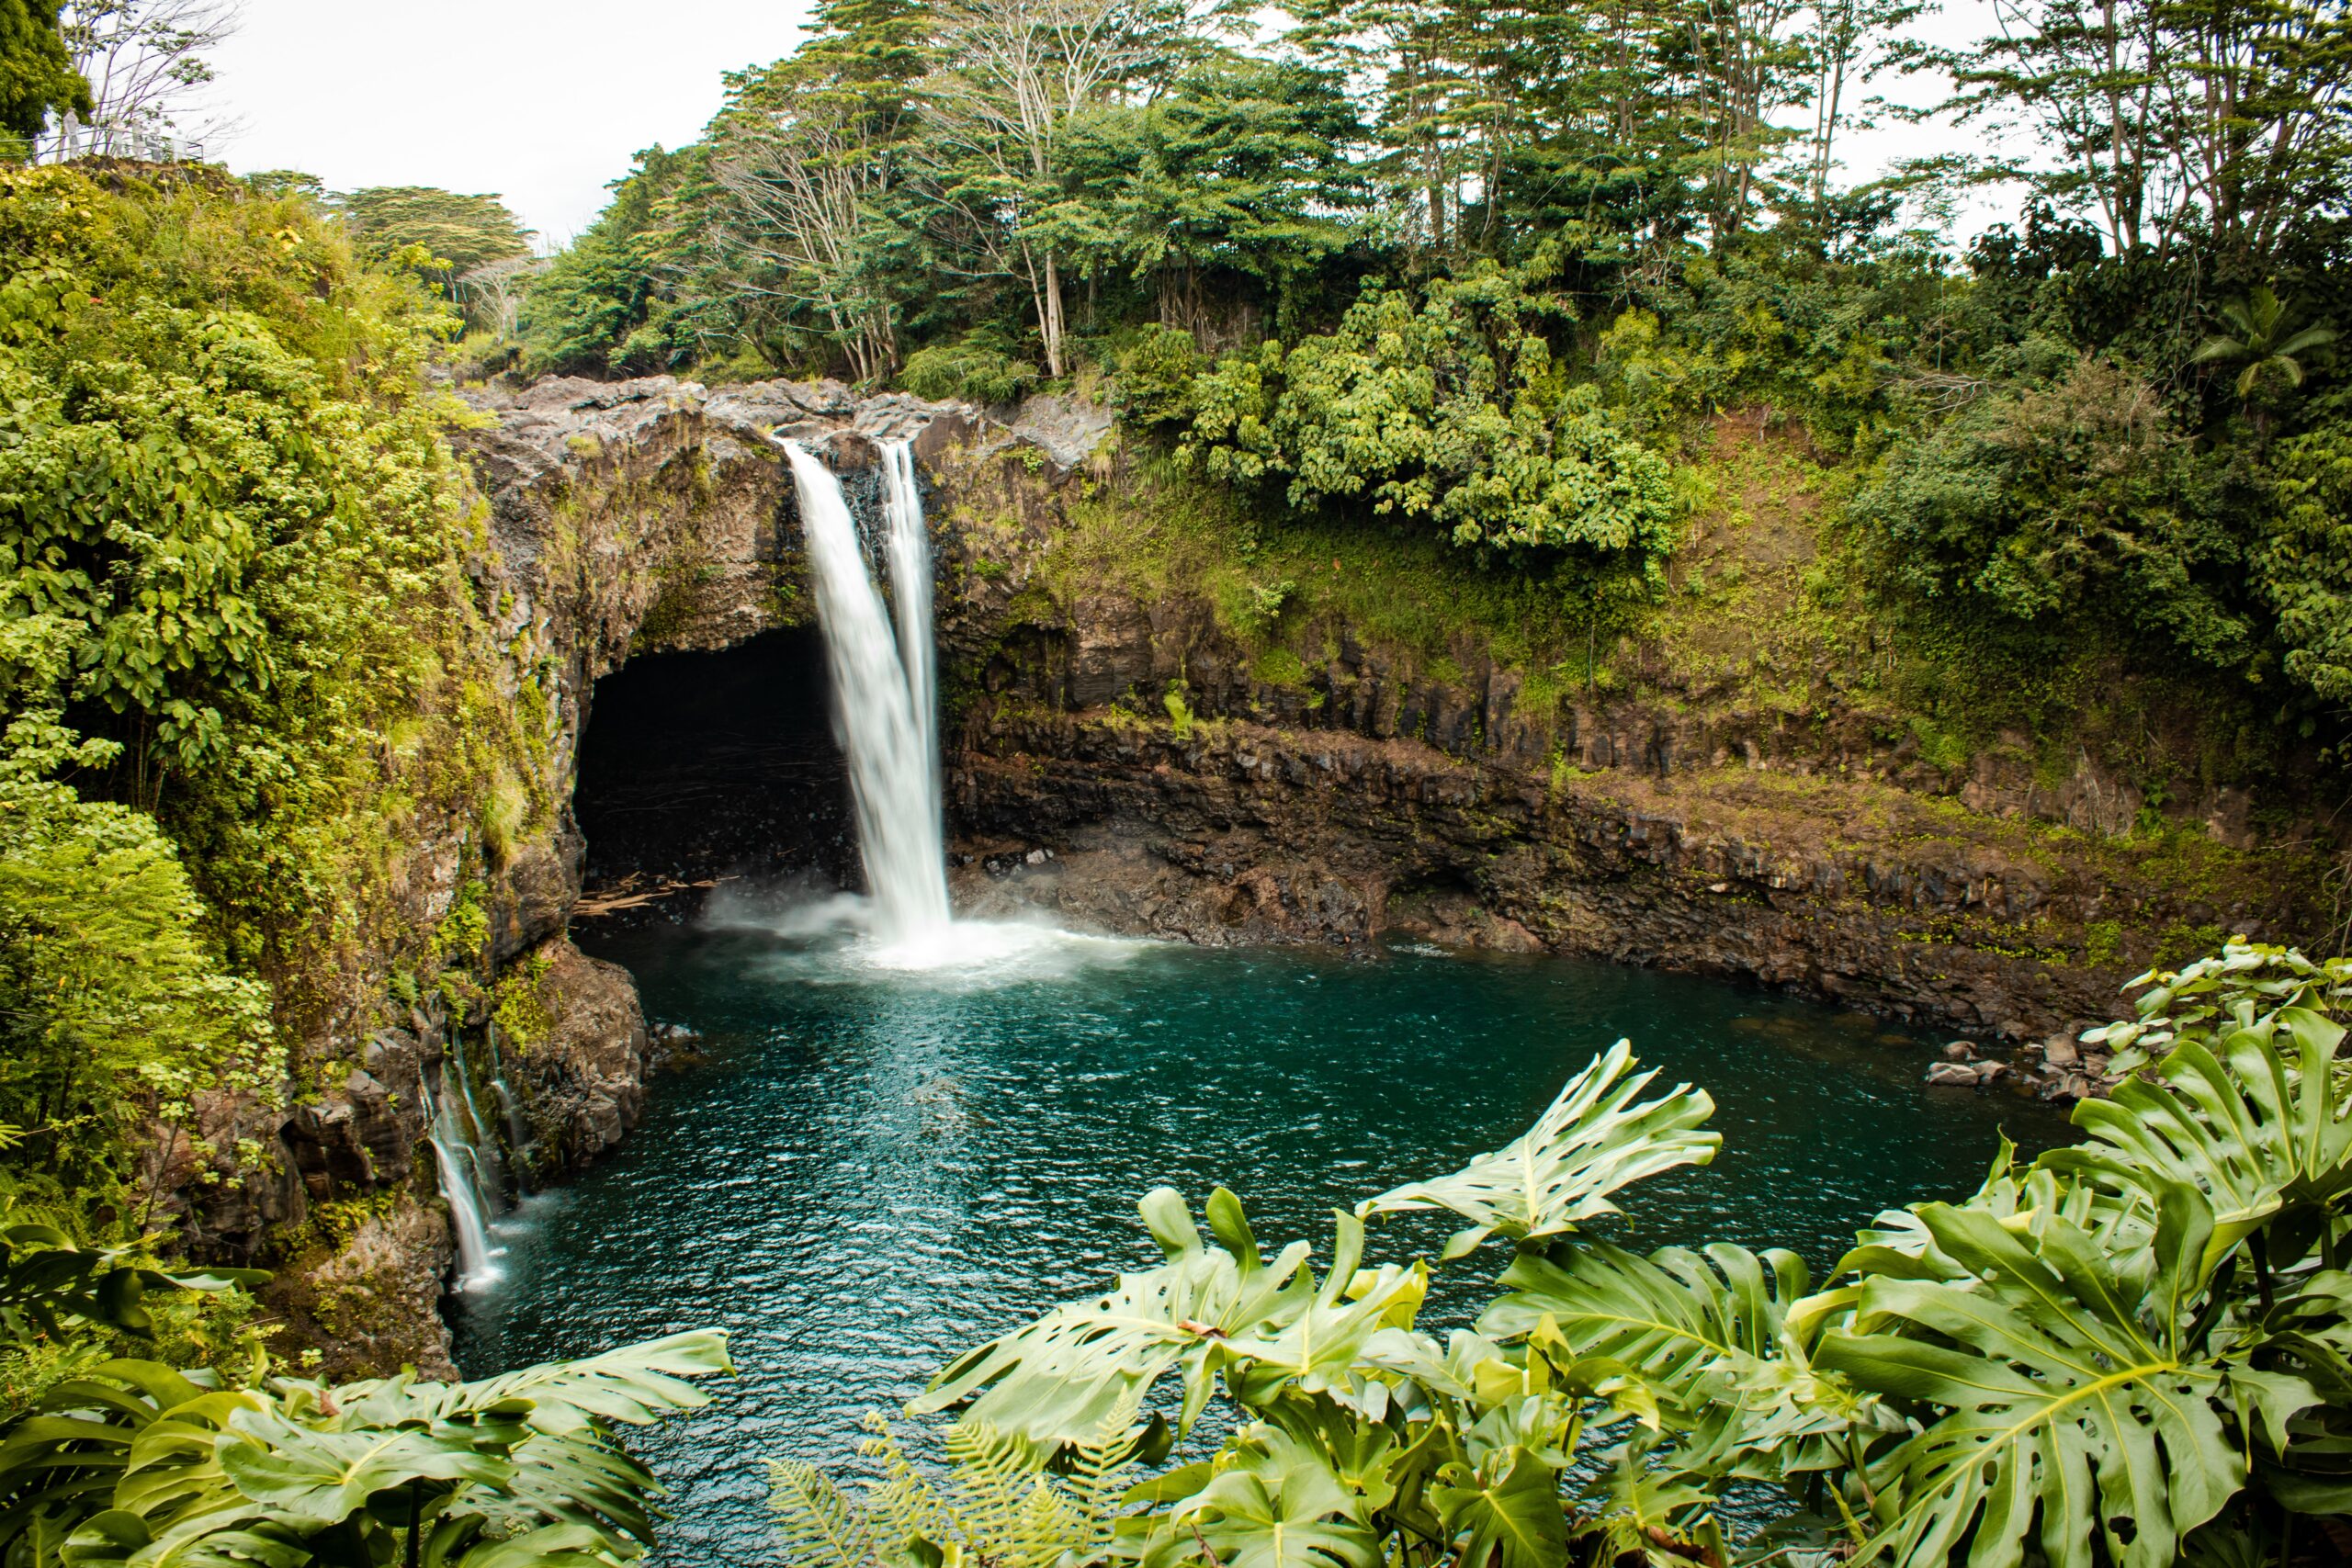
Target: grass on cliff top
1767, 612
1283, 585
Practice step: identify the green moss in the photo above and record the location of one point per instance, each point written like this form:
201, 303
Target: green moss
1179, 713
519, 1004
1280, 667
464, 931
2102, 941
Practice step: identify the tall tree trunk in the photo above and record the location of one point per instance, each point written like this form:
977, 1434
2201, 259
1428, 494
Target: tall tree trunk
1051, 312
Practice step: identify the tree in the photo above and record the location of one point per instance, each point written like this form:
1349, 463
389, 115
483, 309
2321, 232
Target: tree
37, 70
145, 61
809, 154
2265, 339
1014, 77
600, 307
453, 233
2164, 119
1241, 169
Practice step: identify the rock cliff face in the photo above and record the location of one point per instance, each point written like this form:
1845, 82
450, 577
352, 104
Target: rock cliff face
621, 519
1125, 760
1124, 757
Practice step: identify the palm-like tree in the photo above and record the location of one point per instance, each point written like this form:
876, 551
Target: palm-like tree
2265, 340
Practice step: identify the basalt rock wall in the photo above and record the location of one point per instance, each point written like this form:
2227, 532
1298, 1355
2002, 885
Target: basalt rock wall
1117, 758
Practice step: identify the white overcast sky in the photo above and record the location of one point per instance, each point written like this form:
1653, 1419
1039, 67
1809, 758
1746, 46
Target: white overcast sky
543, 101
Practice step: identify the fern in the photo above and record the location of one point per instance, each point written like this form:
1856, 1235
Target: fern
999, 1505
820, 1525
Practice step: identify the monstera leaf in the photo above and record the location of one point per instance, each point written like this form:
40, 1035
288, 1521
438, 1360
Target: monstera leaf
1275, 1502
1559, 1174
2261, 1132
1675, 1317
1054, 1381
2074, 1395
1505, 1511
1322, 1349
1645, 1511
2120, 1218
635, 1385
138, 1463
1715, 1336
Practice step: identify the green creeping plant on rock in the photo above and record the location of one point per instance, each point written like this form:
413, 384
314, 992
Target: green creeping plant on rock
2134, 1352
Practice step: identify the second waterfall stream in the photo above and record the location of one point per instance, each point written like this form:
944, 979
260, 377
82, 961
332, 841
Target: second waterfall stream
884, 692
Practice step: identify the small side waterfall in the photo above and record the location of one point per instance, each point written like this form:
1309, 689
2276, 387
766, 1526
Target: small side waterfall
883, 698
460, 1176
490, 1169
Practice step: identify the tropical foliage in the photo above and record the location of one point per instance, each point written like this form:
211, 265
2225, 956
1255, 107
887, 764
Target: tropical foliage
2132, 1351
133, 1461
230, 530
1499, 273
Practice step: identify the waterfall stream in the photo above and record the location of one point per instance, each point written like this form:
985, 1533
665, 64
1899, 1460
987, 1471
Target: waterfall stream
907, 544
883, 690
460, 1176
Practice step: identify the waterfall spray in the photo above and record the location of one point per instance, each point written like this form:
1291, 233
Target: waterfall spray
886, 732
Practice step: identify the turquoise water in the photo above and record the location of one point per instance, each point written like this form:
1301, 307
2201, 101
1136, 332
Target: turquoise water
870, 1170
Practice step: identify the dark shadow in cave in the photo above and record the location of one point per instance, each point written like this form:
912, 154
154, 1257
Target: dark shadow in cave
702, 765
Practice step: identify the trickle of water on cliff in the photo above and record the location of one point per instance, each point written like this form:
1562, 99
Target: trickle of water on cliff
459, 1170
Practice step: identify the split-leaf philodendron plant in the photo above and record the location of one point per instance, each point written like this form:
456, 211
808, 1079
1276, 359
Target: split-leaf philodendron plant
2131, 1352
132, 1464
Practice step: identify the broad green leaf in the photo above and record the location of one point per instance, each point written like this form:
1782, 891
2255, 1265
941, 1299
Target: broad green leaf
1560, 1173
1505, 1513
2258, 1129
2072, 1399
1276, 1505
1055, 1379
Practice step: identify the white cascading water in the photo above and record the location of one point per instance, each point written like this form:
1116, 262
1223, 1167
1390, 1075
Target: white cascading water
907, 545
886, 729
461, 1187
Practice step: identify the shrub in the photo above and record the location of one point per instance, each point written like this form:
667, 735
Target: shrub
1154, 376
974, 369
1453, 410
2068, 490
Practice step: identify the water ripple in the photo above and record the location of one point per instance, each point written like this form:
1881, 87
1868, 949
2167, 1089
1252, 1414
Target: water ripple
873, 1172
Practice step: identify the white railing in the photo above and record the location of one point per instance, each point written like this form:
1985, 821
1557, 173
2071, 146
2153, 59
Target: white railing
74, 140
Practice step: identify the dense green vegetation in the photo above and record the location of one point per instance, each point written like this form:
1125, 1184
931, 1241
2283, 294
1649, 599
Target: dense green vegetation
232, 532
1490, 271
124, 1459
1471, 282
2132, 1351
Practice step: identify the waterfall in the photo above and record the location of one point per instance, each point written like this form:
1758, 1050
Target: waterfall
884, 722
481, 1147
907, 543
461, 1187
